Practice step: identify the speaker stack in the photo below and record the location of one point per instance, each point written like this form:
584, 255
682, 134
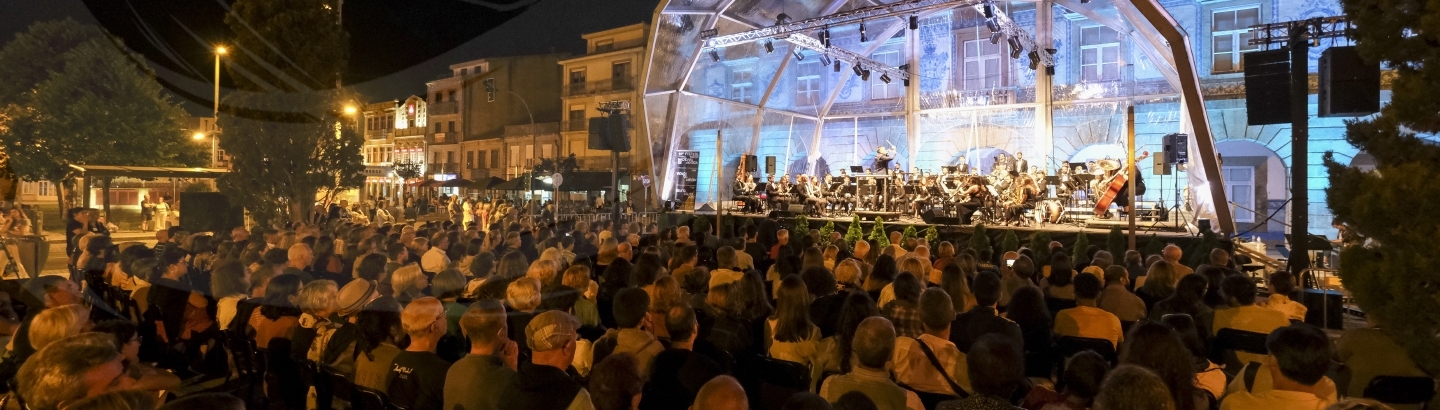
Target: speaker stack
770, 164
1349, 87
1267, 87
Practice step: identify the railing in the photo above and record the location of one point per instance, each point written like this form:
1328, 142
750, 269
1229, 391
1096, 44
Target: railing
443, 108
607, 85
644, 218
532, 129
443, 168
576, 125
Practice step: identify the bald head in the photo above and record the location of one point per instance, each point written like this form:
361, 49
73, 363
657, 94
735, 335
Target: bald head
874, 342
721, 393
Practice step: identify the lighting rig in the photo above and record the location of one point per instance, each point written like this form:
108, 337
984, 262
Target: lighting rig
1000, 25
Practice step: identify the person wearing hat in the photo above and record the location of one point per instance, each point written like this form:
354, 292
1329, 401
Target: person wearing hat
417, 375
339, 354
542, 383
474, 381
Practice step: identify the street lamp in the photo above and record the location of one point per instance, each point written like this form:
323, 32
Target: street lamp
350, 110
214, 147
219, 51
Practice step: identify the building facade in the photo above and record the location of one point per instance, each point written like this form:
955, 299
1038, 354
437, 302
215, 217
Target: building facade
609, 71
497, 105
378, 151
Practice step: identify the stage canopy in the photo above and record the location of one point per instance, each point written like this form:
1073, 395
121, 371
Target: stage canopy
1053, 84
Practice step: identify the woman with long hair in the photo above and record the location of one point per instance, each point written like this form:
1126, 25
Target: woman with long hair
230, 284
16, 223
377, 346
858, 306
1060, 283
278, 313
728, 329
952, 281
617, 276
881, 275
1209, 376
1027, 309
753, 303
1188, 299
1156, 347
792, 336
183, 309
326, 264
1157, 284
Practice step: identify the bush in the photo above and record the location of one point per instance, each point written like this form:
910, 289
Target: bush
931, 234
878, 239
825, 232
855, 233
909, 233
981, 239
802, 225
1117, 242
1040, 245
1009, 242
1077, 255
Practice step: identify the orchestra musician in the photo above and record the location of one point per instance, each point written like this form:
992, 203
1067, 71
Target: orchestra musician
845, 194
1021, 196
963, 166
1122, 198
745, 191
808, 190
1019, 162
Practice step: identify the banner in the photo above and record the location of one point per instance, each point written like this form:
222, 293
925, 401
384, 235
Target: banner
687, 168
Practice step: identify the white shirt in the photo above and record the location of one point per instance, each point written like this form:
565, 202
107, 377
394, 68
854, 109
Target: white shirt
434, 260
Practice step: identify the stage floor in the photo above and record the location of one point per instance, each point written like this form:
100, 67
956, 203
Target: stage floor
1168, 229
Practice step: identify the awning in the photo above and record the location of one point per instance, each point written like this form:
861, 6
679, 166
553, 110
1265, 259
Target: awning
456, 183
487, 184
148, 172
428, 183
583, 181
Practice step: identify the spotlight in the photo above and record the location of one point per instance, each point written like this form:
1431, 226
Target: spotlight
992, 24
1034, 59
837, 66
858, 71
1015, 47
863, 38
824, 59
905, 81
865, 76
714, 55
782, 18
904, 67
885, 77
996, 36
798, 56
914, 22
825, 37
769, 47
1050, 70
989, 10
1084, 1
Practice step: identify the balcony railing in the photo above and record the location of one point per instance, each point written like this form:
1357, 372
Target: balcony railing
626, 83
444, 108
576, 125
443, 168
543, 128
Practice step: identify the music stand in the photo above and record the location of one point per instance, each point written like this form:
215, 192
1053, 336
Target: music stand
856, 169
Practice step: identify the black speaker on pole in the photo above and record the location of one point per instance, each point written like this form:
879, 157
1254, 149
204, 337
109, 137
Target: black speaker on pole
1176, 147
750, 165
769, 164
599, 127
1323, 308
209, 212
1267, 87
1349, 87
619, 132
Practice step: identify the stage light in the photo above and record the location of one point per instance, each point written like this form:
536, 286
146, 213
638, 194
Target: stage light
1034, 59
904, 67
885, 77
993, 25
824, 59
798, 56
865, 75
1050, 70
995, 37
914, 22
769, 47
858, 71
1015, 48
782, 18
905, 82
715, 55
1084, 1
989, 10
825, 37
837, 66
863, 38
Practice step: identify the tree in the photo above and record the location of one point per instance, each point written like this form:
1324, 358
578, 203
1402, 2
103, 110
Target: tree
1040, 246
1009, 242
1082, 241
1117, 243
909, 233
802, 225
1153, 246
290, 141
980, 239
97, 105
855, 232
878, 239
825, 232
931, 234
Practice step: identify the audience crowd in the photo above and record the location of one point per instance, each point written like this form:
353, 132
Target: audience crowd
615, 315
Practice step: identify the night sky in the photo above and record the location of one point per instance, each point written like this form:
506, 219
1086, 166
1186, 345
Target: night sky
396, 46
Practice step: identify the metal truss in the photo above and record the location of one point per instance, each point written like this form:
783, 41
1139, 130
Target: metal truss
1314, 30
1000, 24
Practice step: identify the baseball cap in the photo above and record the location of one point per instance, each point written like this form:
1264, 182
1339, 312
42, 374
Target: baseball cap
551, 330
355, 295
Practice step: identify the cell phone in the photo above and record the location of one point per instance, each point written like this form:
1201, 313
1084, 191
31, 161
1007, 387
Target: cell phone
1009, 262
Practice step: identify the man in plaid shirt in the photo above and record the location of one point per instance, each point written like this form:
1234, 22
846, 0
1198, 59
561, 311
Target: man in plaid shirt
904, 311
913, 368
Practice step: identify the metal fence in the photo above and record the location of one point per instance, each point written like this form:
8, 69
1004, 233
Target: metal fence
642, 217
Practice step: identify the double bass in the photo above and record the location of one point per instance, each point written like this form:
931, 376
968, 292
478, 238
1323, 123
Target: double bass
1114, 184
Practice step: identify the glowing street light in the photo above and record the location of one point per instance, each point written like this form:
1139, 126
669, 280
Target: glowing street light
198, 136
350, 110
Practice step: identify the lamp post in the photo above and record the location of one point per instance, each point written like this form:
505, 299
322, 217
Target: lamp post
534, 147
214, 138
215, 114
219, 51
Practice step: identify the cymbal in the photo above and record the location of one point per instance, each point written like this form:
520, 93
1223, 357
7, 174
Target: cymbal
1109, 164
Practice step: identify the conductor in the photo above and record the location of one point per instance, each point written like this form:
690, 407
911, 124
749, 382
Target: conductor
883, 157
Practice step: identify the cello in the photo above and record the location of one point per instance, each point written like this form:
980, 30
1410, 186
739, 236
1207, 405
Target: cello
1113, 185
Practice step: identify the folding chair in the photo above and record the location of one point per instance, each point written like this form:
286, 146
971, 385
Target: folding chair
1401, 390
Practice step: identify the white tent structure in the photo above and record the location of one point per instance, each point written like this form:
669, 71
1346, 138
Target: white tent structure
820, 84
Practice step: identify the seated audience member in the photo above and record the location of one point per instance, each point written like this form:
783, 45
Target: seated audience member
677, 374
1370, 352
58, 323
825, 301
474, 381
1282, 285
631, 306
278, 315
913, 367
182, 308
375, 350
873, 347
721, 393
615, 383
127, 339
1209, 376
1061, 282
997, 368
726, 269
1239, 292
578, 277
1086, 320
206, 401
124, 399
982, 319
318, 301
1299, 357
1131, 387
408, 283
1024, 270
1158, 348
339, 353
1188, 299
70, 369
522, 295
1116, 297
417, 375
903, 311
229, 284
542, 382
727, 328
1157, 284
792, 337
1083, 374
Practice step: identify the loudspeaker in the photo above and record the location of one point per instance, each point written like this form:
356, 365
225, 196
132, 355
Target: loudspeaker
938, 217
776, 214
1323, 308
750, 165
1176, 148
599, 127
1267, 87
618, 134
209, 212
769, 164
1161, 167
1349, 87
